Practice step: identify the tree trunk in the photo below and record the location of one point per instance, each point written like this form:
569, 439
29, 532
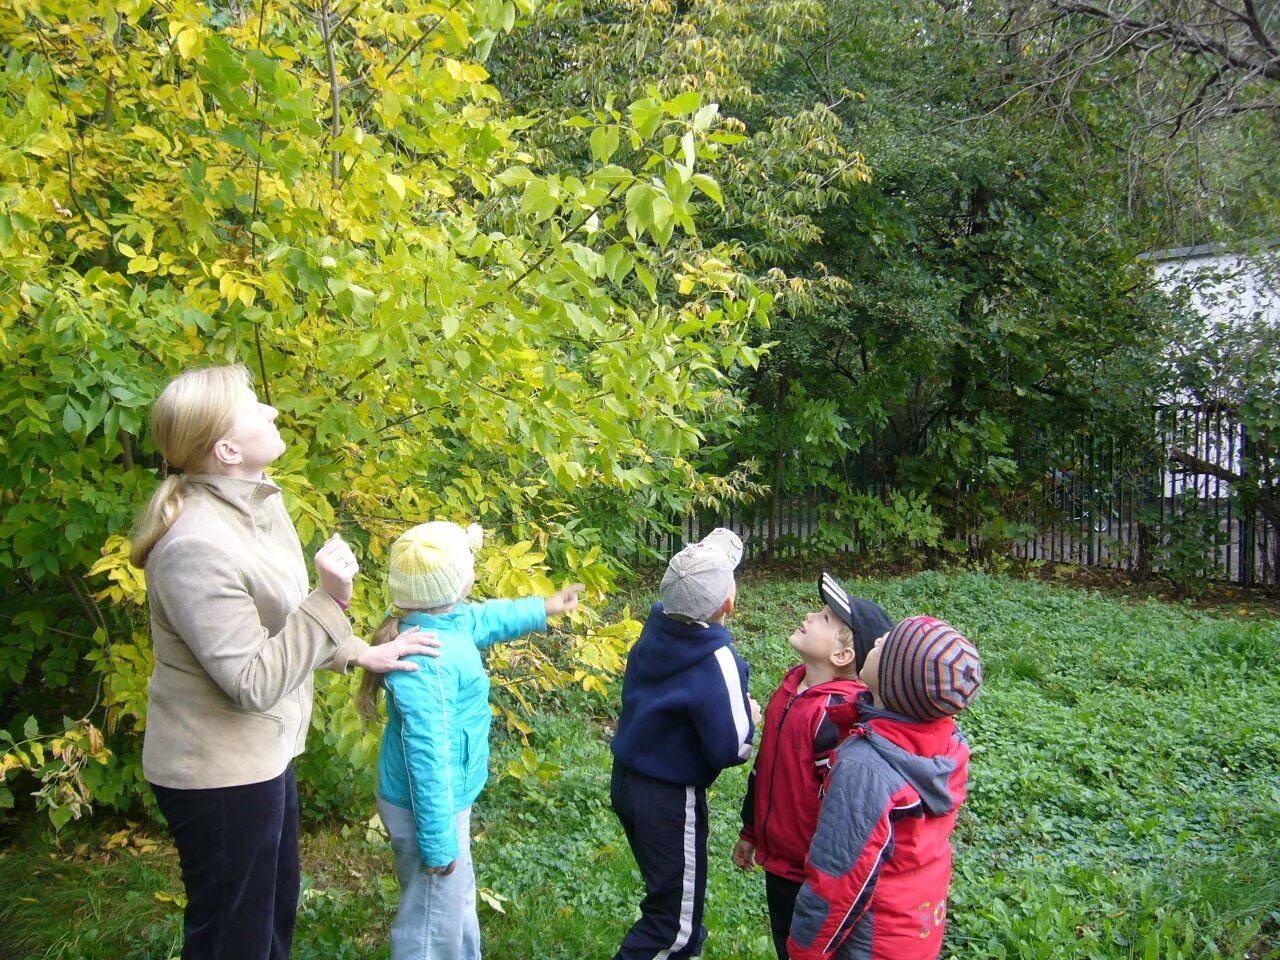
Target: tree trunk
779, 454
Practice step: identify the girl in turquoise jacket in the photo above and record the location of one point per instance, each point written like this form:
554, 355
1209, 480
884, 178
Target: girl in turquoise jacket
434, 759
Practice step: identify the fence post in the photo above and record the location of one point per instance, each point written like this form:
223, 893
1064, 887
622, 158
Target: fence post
1248, 518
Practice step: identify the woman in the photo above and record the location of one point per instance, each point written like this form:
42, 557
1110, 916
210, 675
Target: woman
236, 636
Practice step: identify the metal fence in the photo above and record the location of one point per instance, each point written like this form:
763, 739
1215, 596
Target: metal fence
1085, 499
1152, 512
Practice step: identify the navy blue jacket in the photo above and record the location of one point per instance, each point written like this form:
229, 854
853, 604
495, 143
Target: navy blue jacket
685, 715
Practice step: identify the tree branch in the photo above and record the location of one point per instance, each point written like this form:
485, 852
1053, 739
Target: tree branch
335, 122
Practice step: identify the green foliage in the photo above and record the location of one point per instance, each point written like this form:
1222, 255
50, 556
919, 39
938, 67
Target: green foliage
958, 302
1185, 540
897, 526
450, 325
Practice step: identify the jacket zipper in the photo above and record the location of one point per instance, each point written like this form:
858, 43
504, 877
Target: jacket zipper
773, 767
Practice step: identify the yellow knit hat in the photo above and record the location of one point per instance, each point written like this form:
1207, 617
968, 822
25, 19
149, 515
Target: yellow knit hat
432, 564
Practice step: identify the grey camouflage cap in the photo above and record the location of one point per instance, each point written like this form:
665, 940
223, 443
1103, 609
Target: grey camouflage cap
700, 577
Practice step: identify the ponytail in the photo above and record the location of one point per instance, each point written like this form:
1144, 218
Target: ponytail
162, 509
370, 691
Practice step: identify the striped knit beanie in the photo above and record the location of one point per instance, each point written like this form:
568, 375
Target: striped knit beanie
432, 564
927, 670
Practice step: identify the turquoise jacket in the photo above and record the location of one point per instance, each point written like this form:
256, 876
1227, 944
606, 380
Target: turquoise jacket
435, 749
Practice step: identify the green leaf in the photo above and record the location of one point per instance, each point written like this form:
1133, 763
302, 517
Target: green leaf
604, 142
708, 186
514, 175
647, 281
686, 102
646, 116
71, 421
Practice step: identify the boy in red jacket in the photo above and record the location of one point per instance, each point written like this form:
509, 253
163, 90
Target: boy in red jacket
879, 868
784, 791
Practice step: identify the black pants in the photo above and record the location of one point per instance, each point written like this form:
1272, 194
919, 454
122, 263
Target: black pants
666, 826
781, 896
238, 849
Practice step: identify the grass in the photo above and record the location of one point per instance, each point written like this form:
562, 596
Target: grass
1124, 803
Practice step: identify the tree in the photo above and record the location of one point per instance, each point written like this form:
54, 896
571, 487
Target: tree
983, 297
1201, 79
789, 167
339, 197
1237, 41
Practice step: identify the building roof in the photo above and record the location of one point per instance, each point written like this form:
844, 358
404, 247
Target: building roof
1210, 250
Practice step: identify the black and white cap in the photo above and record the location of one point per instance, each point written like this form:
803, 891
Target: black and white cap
835, 597
866, 619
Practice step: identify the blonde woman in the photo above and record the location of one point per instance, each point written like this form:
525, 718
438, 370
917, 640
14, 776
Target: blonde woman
236, 635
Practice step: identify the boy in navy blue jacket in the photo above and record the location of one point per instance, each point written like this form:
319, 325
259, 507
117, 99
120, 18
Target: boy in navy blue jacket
686, 715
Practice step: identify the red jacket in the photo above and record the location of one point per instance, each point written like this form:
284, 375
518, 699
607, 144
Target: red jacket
879, 868
784, 791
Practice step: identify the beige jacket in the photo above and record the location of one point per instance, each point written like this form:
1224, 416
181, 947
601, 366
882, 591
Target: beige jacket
235, 636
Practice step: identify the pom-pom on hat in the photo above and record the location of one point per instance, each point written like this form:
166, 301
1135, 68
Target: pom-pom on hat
927, 670
432, 564
700, 577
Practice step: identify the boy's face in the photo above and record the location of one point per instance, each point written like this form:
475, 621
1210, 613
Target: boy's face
870, 673
821, 634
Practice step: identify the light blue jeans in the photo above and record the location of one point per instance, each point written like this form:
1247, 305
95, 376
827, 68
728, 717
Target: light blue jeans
437, 915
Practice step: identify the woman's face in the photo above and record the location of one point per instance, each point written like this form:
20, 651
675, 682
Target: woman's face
253, 441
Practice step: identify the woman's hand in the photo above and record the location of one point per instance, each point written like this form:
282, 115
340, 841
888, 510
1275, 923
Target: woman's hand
441, 871
564, 601
336, 567
386, 657
744, 855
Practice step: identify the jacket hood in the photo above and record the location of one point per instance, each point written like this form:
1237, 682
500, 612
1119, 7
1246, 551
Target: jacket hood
672, 646
922, 752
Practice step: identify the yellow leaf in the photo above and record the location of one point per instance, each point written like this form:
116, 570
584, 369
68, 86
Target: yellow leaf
187, 42
466, 72
492, 898
686, 285
396, 182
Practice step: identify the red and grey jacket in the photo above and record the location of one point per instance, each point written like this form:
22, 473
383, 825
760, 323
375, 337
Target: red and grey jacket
784, 791
879, 867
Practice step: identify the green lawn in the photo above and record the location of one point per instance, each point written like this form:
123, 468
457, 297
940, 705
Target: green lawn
1124, 802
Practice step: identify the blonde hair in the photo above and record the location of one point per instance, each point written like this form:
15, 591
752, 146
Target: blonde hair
845, 635
191, 414
371, 683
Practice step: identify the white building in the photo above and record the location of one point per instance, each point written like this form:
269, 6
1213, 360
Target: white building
1227, 285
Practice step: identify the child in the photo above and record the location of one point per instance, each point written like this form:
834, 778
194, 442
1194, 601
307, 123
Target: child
784, 792
686, 715
435, 749
879, 868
